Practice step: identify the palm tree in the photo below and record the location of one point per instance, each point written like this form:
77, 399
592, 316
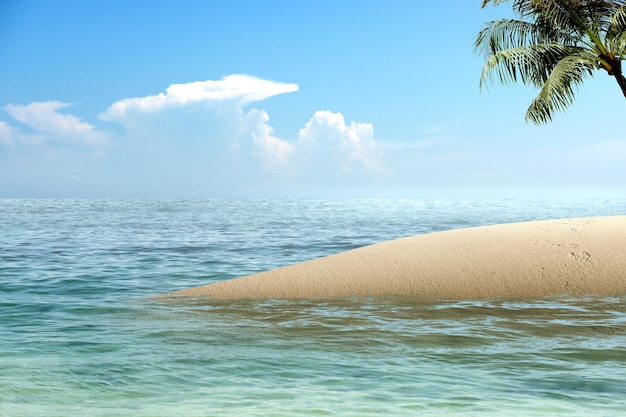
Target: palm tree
554, 46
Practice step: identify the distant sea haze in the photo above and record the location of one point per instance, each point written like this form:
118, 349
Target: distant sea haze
80, 335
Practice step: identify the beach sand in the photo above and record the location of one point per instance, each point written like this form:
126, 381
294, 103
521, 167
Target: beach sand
531, 259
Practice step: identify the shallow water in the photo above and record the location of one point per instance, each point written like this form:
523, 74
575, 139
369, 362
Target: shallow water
79, 334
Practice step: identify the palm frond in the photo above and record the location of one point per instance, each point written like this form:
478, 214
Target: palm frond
618, 20
571, 19
560, 87
531, 65
616, 32
503, 34
618, 46
554, 45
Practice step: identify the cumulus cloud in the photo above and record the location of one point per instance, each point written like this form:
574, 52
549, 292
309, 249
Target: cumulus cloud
204, 133
48, 124
216, 107
348, 145
274, 151
240, 89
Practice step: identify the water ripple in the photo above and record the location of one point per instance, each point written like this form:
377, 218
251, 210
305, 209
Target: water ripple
78, 334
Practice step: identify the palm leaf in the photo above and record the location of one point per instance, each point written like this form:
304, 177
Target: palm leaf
529, 64
616, 32
559, 89
554, 45
503, 34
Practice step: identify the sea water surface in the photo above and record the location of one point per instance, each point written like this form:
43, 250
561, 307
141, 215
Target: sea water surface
79, 334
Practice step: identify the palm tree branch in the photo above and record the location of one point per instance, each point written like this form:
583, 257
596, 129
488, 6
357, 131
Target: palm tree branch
560, 87
554, 45
530, 64
567, 21
503, 34
616, 32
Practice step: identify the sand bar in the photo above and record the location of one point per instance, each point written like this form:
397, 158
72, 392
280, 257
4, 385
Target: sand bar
531, 259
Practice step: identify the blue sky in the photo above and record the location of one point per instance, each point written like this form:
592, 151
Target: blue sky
204, 99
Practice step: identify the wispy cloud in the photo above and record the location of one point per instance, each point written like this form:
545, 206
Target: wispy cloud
47, 123
11, 137
241, 89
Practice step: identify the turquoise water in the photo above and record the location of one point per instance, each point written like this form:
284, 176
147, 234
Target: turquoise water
79, 334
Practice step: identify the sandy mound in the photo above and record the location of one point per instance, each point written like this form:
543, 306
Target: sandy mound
568, 256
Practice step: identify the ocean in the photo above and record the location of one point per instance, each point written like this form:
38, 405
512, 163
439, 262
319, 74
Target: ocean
81, 335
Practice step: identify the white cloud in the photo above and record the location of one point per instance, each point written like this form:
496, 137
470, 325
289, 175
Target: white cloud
238, 88
275, 152
9, 135
203, 133
215, 109
349, 145
206, 121
48, 124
